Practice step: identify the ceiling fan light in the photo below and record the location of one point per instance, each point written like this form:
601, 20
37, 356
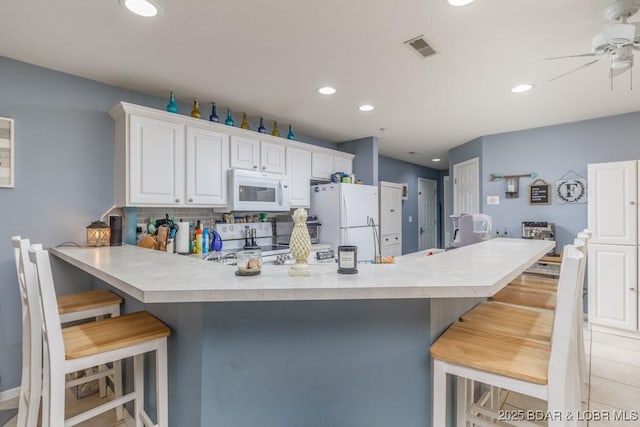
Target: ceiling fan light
619, 34
458, 3
141, 7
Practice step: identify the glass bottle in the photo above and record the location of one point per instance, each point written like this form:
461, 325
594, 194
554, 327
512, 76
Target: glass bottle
214, 114
261, 128
291, 135
196, 109
245, 123
172, 107
229, 121
275, 131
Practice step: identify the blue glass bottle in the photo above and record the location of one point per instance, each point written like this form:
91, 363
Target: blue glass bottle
261, 128
214, 114
172, 107
229, 121
291, 135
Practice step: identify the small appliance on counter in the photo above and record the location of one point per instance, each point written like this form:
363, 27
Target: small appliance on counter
469, 229
539, 230
284, 227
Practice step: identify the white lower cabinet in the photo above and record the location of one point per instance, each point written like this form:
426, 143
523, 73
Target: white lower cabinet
391, 244
299, 173
613, 279
206, 167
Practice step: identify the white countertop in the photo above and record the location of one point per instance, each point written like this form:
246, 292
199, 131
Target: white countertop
150, 276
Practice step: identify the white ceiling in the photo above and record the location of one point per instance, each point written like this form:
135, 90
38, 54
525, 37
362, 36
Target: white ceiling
268, 58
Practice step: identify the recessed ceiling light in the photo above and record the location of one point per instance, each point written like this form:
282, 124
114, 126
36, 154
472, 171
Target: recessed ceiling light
526, 87
435, 160
365, 107
327, 90
141, 7
460, 2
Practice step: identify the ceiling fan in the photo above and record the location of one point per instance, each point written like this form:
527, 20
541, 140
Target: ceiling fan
616, 42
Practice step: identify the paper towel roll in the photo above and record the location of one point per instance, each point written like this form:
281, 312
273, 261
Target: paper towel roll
182, 238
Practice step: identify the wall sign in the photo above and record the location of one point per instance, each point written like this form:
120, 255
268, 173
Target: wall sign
571, 190
6, 153
539, 192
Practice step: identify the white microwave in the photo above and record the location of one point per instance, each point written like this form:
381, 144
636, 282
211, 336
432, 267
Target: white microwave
258, 191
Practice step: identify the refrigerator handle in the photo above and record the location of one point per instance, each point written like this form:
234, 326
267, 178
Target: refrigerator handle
344, 211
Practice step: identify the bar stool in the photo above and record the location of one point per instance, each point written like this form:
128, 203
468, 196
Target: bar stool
516, 363
95, 343
74, 307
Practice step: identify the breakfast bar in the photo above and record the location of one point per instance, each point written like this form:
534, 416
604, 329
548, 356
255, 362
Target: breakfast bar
323, 350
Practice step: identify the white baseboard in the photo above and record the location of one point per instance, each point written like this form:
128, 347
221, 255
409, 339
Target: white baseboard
9, 398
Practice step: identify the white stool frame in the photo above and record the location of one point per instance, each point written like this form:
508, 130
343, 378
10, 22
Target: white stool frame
563, 390
31, 381
56, 366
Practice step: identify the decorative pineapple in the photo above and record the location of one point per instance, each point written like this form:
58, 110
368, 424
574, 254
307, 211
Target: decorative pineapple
300, 243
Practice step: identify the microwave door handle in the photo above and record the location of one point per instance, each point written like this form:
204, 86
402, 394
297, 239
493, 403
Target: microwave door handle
280, 195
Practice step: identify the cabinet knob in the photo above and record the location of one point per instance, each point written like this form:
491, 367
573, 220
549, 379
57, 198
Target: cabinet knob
632, 203
255, 166
393, 210
386, 240
177, 200
396, 238
190, 200
264, 167
632, 289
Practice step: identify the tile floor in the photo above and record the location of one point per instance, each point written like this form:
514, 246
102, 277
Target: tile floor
614, 364
614, 385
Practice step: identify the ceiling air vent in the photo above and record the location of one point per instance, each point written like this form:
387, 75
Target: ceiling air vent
420, 45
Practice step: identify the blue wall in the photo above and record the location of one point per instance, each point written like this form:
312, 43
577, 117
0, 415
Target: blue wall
365, 164
393, 170
64, 176
551, 152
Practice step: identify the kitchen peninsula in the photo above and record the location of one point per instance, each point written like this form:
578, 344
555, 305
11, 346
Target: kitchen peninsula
324, 350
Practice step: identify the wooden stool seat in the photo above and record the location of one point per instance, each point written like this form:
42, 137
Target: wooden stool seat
537, 298
91, 338
89, 300
510, 320
486, 351
535, 281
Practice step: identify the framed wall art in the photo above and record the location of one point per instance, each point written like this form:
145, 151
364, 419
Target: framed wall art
7, 164
571, 188
540, 192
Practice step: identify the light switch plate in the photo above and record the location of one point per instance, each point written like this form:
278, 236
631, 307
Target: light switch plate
410, 219
493, 200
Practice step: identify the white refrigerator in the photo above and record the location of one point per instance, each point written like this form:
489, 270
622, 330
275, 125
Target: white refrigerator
349, 216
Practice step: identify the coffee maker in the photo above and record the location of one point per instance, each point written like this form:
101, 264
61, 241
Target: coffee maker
469, 229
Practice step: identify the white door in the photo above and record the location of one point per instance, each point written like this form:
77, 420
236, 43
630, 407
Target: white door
466, 187
157, 162
342, 164
321, 166
446, 210
272, 157
390, 208
359, 205
207, 164
245, 153
613, 280
299, 173
427, 213
612, 198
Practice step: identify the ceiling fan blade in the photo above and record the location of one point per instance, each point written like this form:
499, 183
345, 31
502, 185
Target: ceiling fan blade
575, 69
581, 55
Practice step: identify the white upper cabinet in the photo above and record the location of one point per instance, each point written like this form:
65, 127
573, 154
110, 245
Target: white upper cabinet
272, 157
156, 168
321, 165
613, 207
342, 164
207, 164
299, 173
245, 153
253, 154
